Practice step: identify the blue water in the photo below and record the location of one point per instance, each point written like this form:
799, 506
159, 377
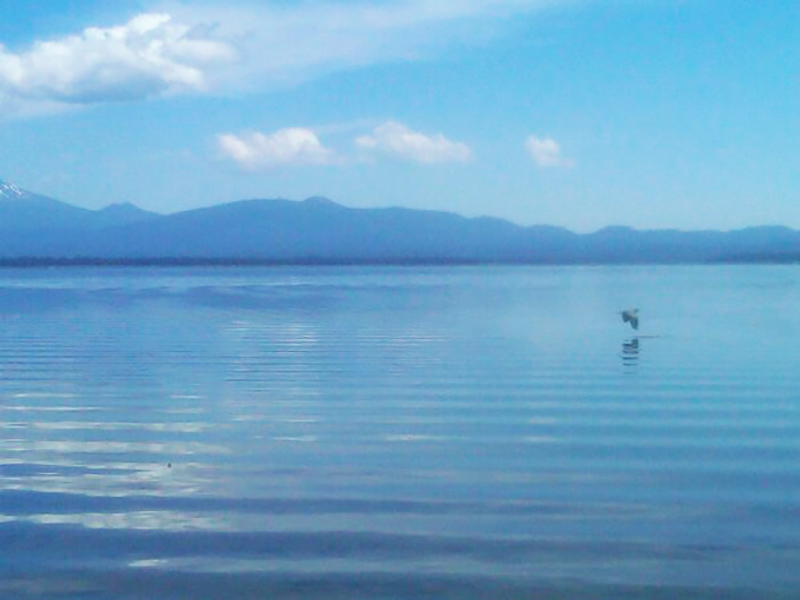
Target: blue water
400, 433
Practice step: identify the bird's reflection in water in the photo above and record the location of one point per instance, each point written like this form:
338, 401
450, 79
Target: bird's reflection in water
630, 353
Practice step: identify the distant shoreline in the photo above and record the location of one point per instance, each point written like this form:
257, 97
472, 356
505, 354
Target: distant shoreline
44, 232
34, 262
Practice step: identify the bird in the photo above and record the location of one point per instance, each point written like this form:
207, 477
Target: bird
631, 316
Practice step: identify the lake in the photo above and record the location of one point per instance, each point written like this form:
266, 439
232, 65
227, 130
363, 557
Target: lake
400, 433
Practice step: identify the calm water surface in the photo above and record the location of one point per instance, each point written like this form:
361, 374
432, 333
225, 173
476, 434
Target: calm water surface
400, 433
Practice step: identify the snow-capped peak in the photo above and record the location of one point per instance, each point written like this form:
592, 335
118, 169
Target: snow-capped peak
9, 191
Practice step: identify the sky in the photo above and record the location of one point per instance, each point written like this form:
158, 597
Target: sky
653, 114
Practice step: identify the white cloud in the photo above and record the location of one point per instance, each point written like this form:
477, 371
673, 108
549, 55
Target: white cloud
242, 45
283, 43
285, 147
156, 54
148, 56
398, 140
546, 153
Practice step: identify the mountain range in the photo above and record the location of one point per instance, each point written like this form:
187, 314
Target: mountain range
35, 228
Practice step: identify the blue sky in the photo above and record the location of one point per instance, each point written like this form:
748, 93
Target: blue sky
649, 113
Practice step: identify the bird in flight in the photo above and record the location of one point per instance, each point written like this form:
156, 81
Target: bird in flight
631, 316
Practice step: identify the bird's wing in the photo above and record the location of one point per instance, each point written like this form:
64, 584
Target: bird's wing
635, 322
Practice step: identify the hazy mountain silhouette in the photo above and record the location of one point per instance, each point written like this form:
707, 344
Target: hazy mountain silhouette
23, 211
321, 230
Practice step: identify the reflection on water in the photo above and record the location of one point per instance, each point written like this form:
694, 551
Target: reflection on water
396, 433
630, 352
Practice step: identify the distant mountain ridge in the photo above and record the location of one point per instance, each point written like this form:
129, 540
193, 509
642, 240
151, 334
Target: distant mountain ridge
41, 229
24, 211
